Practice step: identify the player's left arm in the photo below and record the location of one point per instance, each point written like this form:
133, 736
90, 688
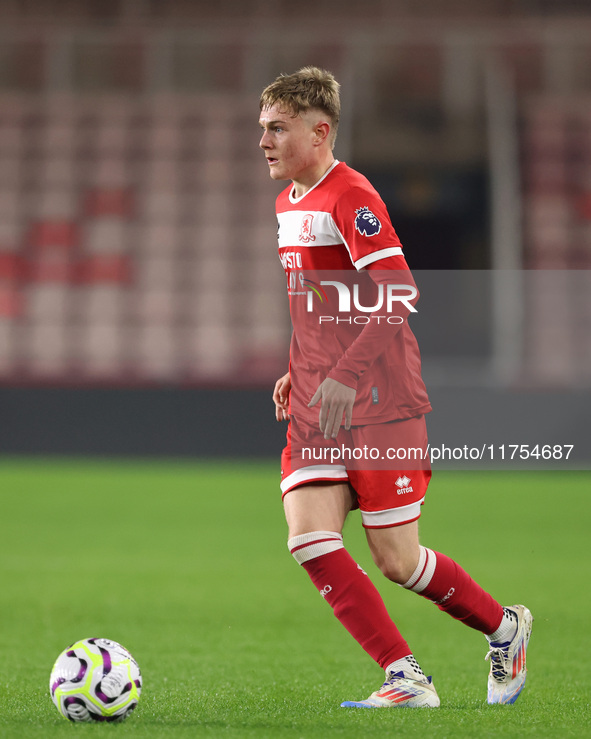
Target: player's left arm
373, 245
338, 391
377, 334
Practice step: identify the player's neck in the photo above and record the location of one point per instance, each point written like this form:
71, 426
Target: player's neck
312, 177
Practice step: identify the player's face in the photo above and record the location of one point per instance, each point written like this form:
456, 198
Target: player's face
289, 144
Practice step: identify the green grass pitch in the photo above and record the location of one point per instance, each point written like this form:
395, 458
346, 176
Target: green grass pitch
186, 565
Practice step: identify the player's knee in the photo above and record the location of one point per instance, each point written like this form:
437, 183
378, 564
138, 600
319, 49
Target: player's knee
315, 544
397, 568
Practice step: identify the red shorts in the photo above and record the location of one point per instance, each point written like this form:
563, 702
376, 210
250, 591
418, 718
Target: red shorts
386, 464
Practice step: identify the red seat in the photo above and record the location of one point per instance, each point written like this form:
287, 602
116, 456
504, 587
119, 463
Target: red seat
53, 265
10, 267
63, 234
116, 201
584, 206
11, 301
104, 268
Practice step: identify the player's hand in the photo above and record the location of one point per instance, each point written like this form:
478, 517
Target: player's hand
281, 397
337, 401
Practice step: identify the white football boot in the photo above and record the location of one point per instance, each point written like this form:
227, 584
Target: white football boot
507, 661
400, 692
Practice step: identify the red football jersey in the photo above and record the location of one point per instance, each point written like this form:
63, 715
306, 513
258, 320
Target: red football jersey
350, 292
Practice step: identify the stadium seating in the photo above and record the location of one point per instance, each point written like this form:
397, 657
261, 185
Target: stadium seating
137, 229
135, 233
556, 136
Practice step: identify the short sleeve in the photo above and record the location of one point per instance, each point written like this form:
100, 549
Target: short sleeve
362, 220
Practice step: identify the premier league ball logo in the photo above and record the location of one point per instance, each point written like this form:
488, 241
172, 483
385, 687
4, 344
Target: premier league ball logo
366, 223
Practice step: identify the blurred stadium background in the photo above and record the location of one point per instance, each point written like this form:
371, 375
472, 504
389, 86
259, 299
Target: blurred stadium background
142, 304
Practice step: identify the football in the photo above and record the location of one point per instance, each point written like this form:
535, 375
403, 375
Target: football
95, 680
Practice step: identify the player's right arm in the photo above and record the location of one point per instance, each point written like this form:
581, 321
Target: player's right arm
281, 397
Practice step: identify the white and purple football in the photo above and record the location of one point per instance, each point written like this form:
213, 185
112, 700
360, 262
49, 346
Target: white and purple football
95, 680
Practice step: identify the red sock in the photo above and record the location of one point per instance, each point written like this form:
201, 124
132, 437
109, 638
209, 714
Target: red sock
350, 593
443, 581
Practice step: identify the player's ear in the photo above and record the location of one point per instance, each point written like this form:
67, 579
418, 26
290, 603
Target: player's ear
321, 132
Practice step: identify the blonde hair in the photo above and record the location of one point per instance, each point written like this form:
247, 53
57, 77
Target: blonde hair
308, 88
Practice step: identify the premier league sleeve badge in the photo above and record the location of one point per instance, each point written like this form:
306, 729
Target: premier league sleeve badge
366, 222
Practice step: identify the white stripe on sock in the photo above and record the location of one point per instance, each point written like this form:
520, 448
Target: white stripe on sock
315, 544
423, 573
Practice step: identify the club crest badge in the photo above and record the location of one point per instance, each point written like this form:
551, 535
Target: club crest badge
306, 234
366, 223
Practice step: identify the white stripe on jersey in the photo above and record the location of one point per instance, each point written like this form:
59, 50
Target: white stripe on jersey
392, 251
307, 228
294, 230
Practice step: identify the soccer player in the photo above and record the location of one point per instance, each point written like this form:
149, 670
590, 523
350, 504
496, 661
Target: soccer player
356, 384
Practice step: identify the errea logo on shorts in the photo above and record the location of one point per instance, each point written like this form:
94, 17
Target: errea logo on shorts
404, 484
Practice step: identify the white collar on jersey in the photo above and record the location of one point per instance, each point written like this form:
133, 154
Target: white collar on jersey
324, 176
